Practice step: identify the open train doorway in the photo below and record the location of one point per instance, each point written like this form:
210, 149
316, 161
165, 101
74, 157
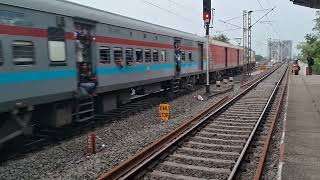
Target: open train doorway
201, 56
84, 53
177, 57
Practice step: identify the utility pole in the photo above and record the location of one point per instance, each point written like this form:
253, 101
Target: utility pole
279, 50
245, 43
249, 42
270, 50
206, 19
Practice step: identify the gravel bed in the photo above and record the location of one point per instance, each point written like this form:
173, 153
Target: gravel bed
209, 164
248, 168
272, 159
192, 172
116, 142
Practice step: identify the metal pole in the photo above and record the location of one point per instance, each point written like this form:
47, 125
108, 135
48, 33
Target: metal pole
207, 57
270, 50
249, 43
244, 44
279, 51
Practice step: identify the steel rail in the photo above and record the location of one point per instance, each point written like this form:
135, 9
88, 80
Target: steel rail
130, 167
156, 146
267, 142
269, 102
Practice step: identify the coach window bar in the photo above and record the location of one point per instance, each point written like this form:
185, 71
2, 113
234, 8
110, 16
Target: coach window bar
155, 55
163, 55
129, 56
183, 56
23, 52
118, 56
147, 54
139, 55
104, 53
190, 56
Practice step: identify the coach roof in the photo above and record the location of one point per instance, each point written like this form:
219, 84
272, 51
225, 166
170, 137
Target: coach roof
71, 9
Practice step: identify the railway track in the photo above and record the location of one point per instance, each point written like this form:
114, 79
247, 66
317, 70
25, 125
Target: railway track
214, 147
43, 138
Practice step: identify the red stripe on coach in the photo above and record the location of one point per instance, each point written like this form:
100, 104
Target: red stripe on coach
131, 42
23, 31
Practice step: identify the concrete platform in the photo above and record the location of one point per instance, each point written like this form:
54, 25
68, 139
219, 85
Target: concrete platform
302, 134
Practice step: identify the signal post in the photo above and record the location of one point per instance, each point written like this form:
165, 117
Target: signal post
207, 19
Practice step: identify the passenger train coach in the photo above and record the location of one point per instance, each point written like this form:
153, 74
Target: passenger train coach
43, 43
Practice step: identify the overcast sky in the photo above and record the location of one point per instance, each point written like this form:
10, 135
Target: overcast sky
289, 22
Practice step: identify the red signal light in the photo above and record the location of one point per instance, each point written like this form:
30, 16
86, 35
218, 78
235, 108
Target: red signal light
206, 16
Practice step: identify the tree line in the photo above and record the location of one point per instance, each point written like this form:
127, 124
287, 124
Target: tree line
311, 46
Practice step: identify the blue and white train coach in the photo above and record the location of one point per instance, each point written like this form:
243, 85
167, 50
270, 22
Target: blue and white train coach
39, 75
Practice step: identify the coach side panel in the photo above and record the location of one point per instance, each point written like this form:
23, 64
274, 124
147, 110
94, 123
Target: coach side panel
218, 57
27, 74
146, 57
232, 57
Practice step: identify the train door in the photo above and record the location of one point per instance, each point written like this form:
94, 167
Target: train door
201, 56
177, 56
84, 53
226, 57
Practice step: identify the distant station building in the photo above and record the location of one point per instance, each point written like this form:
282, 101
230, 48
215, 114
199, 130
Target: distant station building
280, 50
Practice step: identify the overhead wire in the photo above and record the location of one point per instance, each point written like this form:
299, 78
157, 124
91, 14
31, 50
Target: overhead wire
168, 11
274, 29
262, 17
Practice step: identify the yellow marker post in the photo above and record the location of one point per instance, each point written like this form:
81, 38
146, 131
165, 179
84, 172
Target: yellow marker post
164, 111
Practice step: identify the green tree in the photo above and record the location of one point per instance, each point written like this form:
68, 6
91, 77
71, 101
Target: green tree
222, 38
260, 58
311, 46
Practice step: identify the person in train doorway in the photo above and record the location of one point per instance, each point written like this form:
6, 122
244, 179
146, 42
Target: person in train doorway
177, 51
88, 81
79, 45
310, 61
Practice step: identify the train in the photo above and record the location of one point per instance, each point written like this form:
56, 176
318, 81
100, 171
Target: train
45, 44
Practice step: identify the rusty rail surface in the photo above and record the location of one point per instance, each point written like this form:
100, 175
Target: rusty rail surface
133, 162
267, 141
127, 165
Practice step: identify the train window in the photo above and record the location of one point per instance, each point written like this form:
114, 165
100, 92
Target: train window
14, 18
183, 56
155, 55
145, 35
56, 44
190, 56
139, 55
1, 56
104, 55
117, 53
163, 55
147, 55
23, 52
129, 55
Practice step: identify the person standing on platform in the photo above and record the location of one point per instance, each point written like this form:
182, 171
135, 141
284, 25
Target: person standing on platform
310, 61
